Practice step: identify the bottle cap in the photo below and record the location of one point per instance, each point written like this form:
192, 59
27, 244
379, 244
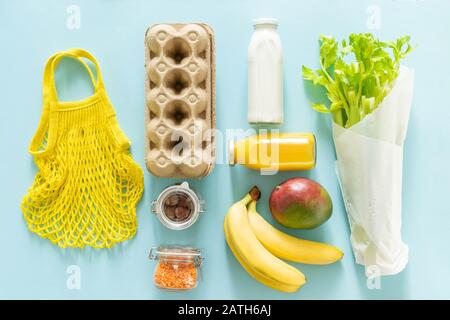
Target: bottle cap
266, 21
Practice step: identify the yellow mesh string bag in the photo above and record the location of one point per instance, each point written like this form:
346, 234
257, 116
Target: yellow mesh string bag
87, 187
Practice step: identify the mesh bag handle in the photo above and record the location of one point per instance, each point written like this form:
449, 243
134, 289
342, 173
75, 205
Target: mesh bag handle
49, 87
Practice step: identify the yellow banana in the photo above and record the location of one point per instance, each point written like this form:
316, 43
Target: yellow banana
264, 280
254, 256
290, 248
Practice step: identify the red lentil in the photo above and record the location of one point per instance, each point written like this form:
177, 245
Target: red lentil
175, 275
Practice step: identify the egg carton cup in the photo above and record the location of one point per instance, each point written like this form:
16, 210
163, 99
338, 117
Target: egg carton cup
180, 100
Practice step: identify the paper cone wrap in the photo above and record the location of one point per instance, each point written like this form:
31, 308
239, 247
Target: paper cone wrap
369, 167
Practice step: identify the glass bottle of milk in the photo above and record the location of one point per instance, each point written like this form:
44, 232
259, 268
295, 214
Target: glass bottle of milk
265, 74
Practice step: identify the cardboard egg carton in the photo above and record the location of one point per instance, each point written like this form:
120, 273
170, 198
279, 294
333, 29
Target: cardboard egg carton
180, 98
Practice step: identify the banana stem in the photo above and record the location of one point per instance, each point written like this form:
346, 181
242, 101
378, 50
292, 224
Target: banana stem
252, 206
245, 201
253, 195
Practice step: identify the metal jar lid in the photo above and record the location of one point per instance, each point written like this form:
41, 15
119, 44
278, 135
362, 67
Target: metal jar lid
177, 254
178, 206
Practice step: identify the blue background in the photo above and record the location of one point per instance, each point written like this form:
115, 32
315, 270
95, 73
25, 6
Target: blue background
113, 31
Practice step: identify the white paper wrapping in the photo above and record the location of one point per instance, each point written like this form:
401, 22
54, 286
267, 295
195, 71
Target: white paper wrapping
369, 167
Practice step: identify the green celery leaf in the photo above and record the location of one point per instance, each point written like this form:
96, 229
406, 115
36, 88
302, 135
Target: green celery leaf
357, 75
328, 51
320, 108
316, 77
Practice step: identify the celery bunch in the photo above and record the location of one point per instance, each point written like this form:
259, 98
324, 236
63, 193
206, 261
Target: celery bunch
357, 75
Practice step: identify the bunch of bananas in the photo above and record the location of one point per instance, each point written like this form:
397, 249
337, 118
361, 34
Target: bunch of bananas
259, 247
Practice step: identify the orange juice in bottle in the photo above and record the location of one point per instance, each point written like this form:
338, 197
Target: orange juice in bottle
274, 151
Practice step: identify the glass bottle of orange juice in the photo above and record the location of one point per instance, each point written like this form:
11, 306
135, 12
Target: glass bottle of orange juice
274, 151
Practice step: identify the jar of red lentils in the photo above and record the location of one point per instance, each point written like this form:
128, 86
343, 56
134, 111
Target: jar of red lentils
177, 268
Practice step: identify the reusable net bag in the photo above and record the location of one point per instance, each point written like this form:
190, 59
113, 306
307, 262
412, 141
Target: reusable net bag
87, 187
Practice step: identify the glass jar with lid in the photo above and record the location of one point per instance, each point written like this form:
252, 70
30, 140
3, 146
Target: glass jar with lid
177, 268
178, 206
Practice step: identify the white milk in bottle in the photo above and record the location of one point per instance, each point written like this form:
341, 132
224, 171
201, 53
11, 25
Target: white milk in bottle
265, 74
